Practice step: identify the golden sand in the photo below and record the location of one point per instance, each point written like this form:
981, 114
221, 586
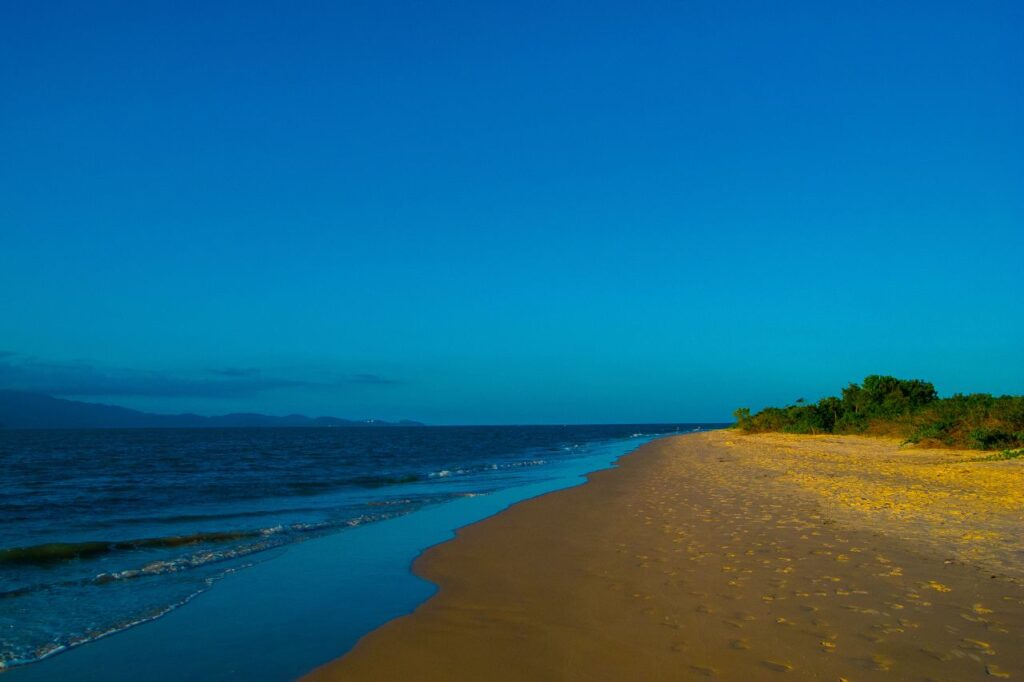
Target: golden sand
734, 557
963, 506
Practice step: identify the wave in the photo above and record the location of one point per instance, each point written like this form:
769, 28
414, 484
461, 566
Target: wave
191, 518
380, 481
445, 473
264, 539
56, 647
54, 552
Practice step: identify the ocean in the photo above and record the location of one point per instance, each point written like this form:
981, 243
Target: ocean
103, 531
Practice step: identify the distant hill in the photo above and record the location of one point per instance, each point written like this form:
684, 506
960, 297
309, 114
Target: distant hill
23, 410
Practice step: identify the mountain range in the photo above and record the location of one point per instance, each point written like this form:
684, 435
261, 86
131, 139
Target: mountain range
24, 410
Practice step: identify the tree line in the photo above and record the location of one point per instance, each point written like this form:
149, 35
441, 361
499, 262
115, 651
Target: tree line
909, 409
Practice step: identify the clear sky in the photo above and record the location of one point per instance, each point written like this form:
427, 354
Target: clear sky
480, 212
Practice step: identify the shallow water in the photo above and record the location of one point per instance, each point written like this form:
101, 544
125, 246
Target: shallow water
102, 530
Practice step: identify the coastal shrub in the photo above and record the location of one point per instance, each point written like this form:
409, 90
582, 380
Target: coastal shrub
908, 409
993, 439
935, 432
1000, 456
742, 416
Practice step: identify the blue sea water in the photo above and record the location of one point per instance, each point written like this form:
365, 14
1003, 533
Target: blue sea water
307, 531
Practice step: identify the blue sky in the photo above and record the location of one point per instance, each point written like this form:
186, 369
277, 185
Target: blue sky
509, 212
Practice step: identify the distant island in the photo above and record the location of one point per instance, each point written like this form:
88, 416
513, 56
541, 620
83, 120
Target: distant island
24, 410
907, 409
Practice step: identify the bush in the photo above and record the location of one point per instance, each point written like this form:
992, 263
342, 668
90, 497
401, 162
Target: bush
906, 408
992, 439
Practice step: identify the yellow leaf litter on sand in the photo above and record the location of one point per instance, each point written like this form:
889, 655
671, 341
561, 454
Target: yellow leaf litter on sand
946, 497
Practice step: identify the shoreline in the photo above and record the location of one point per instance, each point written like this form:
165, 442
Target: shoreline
293, 592
725, 555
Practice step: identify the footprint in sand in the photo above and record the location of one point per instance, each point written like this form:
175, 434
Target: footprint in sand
977, 645
937, 586
996, 671
906, 623
777, 666
704, 670
937, 655
880, 662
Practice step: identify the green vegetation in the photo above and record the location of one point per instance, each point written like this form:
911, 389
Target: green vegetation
1002, 456
909, 409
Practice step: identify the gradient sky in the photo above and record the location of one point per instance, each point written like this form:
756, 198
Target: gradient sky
479, 212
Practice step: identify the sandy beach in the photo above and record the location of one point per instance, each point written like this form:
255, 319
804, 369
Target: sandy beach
736, 557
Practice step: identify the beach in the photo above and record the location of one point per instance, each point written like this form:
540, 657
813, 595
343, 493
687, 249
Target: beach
730, 556
157, 601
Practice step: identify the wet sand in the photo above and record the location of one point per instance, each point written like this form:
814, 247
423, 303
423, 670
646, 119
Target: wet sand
736, 557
